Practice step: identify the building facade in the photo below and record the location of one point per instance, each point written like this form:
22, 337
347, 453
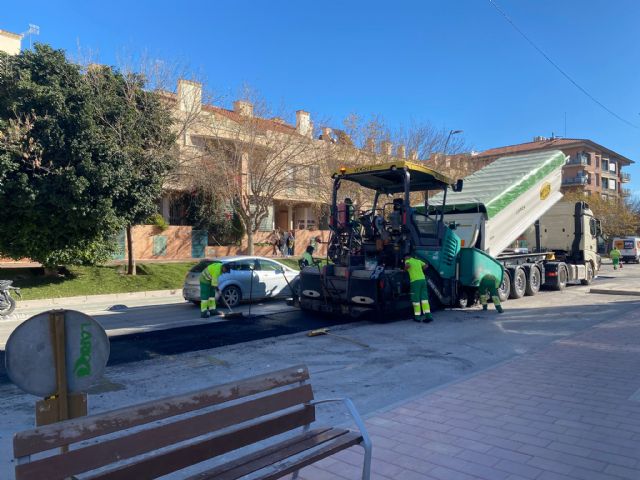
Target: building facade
10, 42
591, 168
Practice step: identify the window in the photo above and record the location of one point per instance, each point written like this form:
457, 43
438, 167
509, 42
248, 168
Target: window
612, 167
605, 165
612, 184
267, 266
597, 162
605, 183
241, 265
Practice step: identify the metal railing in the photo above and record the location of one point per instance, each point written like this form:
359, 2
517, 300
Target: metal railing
578, 160
579, 180
625, 177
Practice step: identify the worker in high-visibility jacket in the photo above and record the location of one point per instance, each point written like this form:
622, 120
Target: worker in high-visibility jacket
489, 287
614, 254
418, 284
209, 288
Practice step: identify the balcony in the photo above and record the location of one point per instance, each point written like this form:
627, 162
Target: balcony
572, 181
625, 192
578, 160
625, 177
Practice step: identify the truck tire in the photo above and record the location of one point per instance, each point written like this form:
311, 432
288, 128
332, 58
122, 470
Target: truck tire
505, 288
518, 284
589, 274
561, 279
533, 282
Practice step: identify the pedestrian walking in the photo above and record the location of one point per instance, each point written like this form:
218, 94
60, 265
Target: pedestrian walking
209, 288
489, 287
284, 246
291, 243
419, 293
614, 254
274, 240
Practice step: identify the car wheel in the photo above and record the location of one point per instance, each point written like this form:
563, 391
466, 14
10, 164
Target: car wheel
232, 296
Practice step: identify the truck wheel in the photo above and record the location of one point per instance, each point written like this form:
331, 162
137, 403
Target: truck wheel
589, 274
533, 282
518, 284
505, 288
561, 279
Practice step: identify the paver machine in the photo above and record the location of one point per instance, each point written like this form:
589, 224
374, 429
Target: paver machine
364, 271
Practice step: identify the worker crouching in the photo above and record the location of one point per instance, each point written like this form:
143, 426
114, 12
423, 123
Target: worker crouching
419, 293
209, 292
489, 287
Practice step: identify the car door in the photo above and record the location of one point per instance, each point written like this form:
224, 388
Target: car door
240, 275
270, 276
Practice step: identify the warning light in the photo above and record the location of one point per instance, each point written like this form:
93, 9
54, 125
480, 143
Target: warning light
462, 242
343, 170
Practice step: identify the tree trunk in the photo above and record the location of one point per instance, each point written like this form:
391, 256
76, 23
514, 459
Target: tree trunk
250, 249
131, 268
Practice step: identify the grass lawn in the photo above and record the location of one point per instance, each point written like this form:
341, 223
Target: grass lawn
96, 280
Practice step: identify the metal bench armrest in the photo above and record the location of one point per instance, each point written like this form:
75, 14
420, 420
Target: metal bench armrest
366, 440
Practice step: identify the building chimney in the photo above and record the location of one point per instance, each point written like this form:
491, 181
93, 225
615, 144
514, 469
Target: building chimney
386, 147
401, 151
413, 155
303, 123
244, 108
539, 138
189, 96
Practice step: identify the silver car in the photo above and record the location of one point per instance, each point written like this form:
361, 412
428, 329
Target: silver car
250, 278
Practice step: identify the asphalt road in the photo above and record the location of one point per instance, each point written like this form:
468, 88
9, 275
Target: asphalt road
390, 363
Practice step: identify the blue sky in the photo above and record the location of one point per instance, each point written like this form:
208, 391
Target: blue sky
456, 63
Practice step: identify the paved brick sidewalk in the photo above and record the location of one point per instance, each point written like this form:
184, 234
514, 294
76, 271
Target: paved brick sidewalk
570, 411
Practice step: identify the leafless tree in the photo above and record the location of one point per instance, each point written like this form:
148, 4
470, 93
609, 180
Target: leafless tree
249, 158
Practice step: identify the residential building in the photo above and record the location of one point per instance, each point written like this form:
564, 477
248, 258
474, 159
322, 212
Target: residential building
591, 167
10, 42
296, 205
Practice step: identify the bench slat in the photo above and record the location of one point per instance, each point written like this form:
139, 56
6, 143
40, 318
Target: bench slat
68, 432
264, 458
164, 463
121, 448
341, 443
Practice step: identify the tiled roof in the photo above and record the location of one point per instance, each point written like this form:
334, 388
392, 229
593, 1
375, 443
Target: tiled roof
261, 123
550, 144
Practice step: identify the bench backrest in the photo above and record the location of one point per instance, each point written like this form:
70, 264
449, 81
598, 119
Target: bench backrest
249, 411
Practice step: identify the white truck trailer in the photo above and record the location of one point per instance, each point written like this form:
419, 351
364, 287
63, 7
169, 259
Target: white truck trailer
518, 198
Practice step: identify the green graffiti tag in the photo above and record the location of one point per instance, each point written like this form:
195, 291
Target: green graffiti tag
82, 367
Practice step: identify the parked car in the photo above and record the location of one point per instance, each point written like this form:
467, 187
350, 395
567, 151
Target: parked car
268, 279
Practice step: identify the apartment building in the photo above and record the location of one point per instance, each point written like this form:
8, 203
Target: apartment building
296, 206
10, 42
591, 167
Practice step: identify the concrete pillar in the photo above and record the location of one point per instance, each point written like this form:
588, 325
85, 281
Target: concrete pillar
290, 216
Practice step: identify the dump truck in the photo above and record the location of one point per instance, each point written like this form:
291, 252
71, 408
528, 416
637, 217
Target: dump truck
366, 248
513, 210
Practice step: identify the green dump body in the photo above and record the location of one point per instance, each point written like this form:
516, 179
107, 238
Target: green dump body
475, 264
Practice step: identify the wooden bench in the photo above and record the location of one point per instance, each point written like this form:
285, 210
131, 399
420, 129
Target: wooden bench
157, 438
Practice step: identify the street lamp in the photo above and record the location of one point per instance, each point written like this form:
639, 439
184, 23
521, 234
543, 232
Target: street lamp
451, 132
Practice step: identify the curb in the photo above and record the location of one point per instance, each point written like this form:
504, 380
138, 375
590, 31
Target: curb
98, 298
614, 292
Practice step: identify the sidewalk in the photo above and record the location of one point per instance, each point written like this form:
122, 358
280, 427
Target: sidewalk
570, 411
